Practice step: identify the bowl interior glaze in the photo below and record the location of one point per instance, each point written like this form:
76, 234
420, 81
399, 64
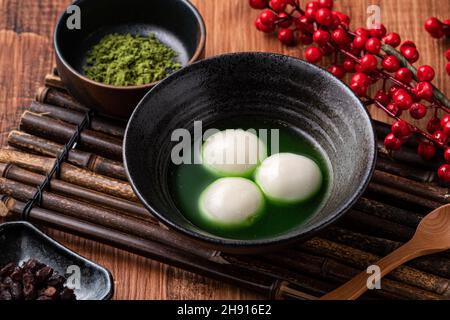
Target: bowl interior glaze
259, 85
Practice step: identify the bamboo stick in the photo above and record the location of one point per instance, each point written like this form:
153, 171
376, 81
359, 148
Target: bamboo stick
437, 264
59, 98
145, 248
30, 178
405, 198
403, 170
99, 124
329, 269
105, 218
61, 132
361, 260
70, 173
387, 212
83, 159
372, 225
407, 155
421, 190
54, 81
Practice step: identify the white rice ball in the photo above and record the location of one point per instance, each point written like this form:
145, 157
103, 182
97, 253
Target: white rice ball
289, 178
233, 152
232, 202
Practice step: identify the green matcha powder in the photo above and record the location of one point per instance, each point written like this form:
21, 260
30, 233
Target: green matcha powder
126, 60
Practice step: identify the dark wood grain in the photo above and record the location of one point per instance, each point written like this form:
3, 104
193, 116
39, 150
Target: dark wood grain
26, 56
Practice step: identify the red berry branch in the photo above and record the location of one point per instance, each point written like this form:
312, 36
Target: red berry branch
371, 56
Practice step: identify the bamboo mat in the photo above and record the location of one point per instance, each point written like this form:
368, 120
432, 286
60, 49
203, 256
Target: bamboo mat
92, 198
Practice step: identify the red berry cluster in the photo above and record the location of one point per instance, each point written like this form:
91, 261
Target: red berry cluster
370, 55
436, 28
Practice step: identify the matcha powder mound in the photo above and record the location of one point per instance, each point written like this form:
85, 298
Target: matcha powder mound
125, 60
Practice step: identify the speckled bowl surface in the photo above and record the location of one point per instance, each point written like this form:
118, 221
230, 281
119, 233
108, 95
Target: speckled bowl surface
263, 85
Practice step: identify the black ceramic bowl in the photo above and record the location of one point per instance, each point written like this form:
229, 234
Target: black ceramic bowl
21, 241
263, 85
177, 23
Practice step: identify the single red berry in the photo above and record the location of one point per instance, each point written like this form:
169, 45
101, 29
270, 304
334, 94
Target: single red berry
444, 121
268, 17
404, 75
382, 97
447, 155
401, 129
302, 23
278, 5
423, 90
437, 35
363, 32
446, 27
418, 111
391, 142
312, 4
326, 4
407, 44
391, 63
340, 37
359, 89
359, 42
433, 25
286, 36
360, 78
378, 31
392, 90
447, 68
440, 137
403, 99
392, 39
310, 13
305, 38
262, 27
444, 173
447, 54
373, 45
425, 73
426, 150
349, 65
446, 129
368, 63
284, 20
337, 71
324, 17
392, 108
321, 36
258, 4
313, 54
411, 54
433, 125
343, 18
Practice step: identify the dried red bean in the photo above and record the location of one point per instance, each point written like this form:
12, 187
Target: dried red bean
7, 270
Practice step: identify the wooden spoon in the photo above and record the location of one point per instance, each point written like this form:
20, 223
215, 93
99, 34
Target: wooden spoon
432, 236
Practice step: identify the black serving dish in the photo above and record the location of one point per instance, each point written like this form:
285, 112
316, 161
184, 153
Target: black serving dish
176, 23
262, 85
20, 241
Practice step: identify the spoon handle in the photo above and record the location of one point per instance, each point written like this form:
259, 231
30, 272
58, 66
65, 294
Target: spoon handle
354, 288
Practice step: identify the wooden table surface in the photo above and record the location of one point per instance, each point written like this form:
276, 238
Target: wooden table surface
26, 55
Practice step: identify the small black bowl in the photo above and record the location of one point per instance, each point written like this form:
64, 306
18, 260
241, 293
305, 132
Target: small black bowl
263, 85
21, 241
176, 23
